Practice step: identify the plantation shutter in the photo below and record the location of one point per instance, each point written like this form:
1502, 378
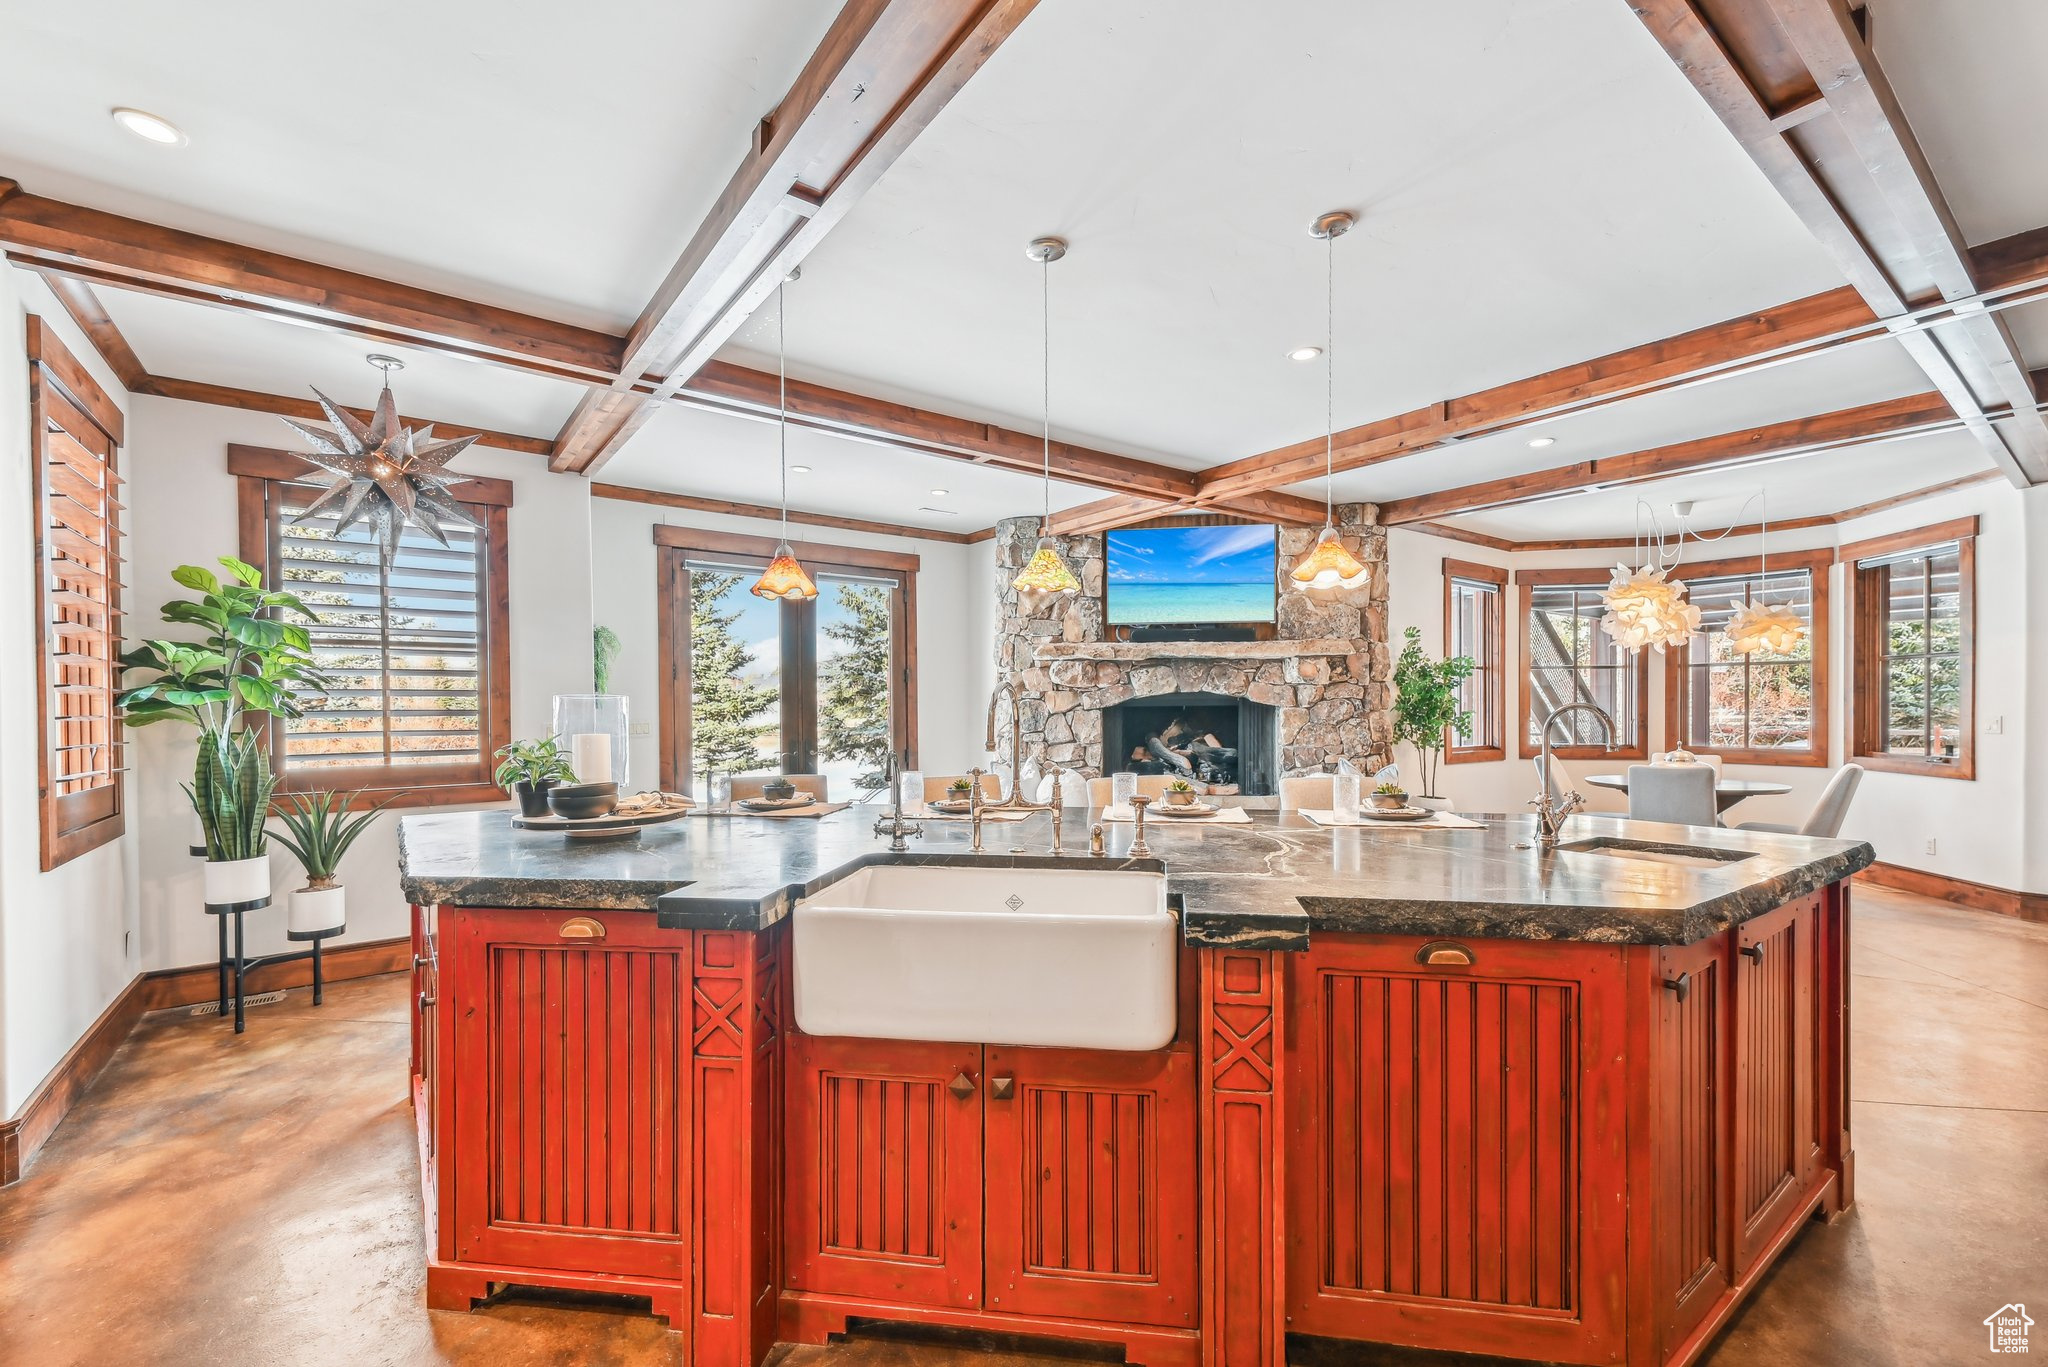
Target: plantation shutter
77, 434
413, 653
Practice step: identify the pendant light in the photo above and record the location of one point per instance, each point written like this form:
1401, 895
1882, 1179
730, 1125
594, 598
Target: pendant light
1763, 626
1047, 576
783, 578
1644, 606
1328, 565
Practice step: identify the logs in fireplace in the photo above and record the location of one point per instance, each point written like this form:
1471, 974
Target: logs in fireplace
1223, 743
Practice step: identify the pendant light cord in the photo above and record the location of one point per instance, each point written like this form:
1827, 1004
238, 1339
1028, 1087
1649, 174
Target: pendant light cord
782, 404
1330, 380
1045, 381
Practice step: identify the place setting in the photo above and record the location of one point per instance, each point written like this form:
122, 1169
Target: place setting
1386, 806
778, 799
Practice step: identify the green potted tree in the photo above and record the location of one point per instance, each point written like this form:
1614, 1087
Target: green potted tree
247, 667
1426, 709
528, 768
318, 829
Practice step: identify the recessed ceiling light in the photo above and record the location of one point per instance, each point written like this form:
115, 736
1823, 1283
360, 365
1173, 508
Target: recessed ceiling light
938, 493
1541, 442
149, 127
799, 469
1304, 353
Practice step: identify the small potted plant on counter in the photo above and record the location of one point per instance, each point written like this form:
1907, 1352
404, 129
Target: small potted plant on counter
247, 667
528, 768
318, 829
1389, 795
1180, 793
1426, 709
960, 789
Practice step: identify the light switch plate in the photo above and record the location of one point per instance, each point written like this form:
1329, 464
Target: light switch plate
1995, 727
1930, 845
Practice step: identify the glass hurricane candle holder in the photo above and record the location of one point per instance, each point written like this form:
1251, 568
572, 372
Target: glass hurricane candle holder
1344, 796
592, 728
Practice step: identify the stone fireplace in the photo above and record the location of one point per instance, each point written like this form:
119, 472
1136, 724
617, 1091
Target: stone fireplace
1321, 684
1226, 743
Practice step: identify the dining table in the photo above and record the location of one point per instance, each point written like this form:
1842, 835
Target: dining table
1727, 791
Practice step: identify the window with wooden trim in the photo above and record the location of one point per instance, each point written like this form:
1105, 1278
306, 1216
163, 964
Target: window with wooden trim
1758, 708
1567, 659
418, 655
1913, 623
77, 433
758, 686
1475, 622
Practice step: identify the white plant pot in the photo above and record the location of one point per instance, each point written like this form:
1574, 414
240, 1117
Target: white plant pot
229, 881
1431, 804
317, 909
195, 836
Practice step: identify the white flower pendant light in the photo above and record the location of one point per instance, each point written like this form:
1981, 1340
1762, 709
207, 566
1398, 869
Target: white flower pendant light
1329, 565
1644, 607
1764, 627
1047, 576
784, 577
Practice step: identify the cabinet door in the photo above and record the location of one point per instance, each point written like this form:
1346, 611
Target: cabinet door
1091, 1185
1777, 1105
1691, 1062
569, 1128
426, 1015
883, 1184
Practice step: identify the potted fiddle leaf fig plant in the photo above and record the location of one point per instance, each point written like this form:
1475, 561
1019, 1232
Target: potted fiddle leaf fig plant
318, 829
1426, 708
247, 667
528, 768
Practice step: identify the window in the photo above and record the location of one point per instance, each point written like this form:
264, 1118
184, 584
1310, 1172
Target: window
419, 655
1758, 708
77, 433
1913, 621
1569, 659
759, 685
1474, 621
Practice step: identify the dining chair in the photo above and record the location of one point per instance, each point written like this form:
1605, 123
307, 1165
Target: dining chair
1828, 813
750, 785
941, 785
1679, 793
1100, 790
1308, 791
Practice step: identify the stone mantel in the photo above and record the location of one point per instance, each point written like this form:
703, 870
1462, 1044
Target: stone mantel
1144, 652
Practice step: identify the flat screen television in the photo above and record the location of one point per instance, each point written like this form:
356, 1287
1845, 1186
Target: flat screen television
1190, 576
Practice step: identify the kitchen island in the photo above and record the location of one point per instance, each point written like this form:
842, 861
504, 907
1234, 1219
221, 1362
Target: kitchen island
1430, 1088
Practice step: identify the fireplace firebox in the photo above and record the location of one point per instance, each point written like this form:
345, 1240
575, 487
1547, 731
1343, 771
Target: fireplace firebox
1208, 738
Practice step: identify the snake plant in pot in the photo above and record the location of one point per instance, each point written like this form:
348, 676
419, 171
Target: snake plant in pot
318, 829
247, 667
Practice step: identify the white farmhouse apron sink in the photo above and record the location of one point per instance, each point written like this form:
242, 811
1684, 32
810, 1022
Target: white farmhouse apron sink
1050, 957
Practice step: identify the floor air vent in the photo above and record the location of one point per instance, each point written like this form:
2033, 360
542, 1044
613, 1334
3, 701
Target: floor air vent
260, 999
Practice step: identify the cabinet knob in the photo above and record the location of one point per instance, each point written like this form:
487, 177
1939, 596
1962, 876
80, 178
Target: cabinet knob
1754, 953
961, 1086
1681, 986
1002, 1088
427, 1002
1444, 954
581, 928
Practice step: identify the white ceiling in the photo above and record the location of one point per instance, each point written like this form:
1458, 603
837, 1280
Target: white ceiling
1538, 185
519, 152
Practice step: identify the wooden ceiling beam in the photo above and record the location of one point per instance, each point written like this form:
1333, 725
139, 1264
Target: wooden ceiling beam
660, 498
1859, 181
92, 318
1913, 415
884, 71
255, 401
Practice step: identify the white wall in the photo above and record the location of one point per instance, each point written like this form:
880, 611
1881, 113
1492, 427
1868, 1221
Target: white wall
183, 510
955, 663
65, 950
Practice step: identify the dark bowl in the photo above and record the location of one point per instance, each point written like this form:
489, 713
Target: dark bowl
581, 801
778, 790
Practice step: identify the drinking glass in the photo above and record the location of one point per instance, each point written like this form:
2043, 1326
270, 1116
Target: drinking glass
721, 792
1122, 788
1344, 796
912, 788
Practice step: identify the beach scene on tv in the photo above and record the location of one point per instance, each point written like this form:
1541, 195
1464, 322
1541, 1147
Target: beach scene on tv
1184, 576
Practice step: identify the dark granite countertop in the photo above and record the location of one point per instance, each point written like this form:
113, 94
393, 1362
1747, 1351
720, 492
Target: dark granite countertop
1266, 885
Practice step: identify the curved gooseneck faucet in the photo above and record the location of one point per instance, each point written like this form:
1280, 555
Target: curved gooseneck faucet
1550, 815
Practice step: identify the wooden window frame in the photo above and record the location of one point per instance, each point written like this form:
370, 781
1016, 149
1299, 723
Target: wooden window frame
72, 824
1677, 664
676, 546
1525, 580
1867, 721
1495, 694
258, 472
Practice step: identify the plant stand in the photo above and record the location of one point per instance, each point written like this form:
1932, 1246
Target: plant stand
238, 968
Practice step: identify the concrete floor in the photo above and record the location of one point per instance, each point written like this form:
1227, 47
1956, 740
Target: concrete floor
255, 1200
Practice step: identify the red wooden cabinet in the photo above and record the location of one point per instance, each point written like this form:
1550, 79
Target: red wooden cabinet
567, 1115
1777, 1140
1690, 1221
1455, 1165
1026, 1182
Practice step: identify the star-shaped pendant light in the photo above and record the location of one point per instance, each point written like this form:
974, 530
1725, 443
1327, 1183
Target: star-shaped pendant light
385, 474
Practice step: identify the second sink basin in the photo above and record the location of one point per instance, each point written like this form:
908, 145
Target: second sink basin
1650, 852
1051, 957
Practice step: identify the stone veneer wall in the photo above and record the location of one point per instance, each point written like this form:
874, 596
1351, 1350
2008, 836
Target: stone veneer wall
1331, 705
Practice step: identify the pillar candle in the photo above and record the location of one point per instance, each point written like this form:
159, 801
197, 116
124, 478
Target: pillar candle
590, 755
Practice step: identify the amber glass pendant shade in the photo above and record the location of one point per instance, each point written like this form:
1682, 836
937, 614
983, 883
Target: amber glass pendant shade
1047, 574
1328, 565
784, 578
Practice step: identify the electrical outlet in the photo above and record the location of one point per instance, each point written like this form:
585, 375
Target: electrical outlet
640, 728
1995, 727
1930, 845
